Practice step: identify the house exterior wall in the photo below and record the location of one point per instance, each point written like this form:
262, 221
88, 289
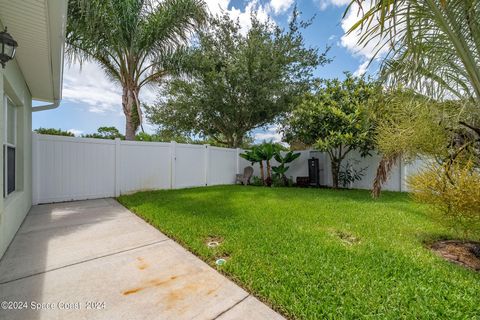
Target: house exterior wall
15, 206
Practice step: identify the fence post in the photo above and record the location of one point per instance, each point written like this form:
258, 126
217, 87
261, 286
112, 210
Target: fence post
35, 170
173, 159
238, 160
207, 162
117, 167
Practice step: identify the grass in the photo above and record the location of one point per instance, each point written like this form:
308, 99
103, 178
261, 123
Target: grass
316, 253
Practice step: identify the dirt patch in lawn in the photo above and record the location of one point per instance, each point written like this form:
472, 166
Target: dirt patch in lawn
464, 253
347, 237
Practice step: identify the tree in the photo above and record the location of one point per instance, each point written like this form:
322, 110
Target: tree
335, 120
105, 133
163, 136
136, 42
260, 153
237, 82
433, 48
266, 151
253, 155
54, 132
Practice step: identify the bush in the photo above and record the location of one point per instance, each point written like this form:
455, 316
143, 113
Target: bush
54, 132
349, 174
452, 190
279, 181
256, 181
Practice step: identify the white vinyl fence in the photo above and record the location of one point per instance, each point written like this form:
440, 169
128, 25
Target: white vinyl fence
67, 168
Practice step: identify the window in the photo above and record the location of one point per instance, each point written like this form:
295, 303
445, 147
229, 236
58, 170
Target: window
9, 148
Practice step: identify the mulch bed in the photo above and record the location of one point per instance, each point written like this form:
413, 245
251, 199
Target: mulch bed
464, 253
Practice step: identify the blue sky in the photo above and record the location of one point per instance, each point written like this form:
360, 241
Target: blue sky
90, 100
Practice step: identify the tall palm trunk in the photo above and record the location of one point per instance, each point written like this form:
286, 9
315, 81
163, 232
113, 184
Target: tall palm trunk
131, 110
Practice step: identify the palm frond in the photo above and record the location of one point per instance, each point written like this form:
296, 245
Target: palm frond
432, 45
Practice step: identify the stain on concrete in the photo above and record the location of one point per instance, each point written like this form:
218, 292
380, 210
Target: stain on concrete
141, 264
149, 284
174, 297
128, 292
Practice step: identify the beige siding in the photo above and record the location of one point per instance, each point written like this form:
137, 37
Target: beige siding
14, 208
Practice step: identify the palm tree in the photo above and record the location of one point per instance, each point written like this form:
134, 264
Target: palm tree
254, 156
282, 169
136, 42
432, 47
267, 151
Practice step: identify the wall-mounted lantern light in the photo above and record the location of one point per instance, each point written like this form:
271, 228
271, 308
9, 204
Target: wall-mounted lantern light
8, 47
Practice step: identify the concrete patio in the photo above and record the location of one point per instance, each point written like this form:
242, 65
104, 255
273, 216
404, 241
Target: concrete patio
96, 260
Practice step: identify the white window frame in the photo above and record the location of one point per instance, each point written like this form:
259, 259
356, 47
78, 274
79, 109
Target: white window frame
6, 144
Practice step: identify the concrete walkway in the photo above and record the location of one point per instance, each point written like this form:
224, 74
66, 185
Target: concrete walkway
96, 260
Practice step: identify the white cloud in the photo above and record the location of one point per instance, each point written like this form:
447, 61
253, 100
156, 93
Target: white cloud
270, 134
90, 86
362, 68
75, 132
280, 6
217, 6
350, 41
263, 12
324, 4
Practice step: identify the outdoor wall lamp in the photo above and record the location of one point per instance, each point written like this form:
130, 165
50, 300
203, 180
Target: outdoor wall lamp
8, 47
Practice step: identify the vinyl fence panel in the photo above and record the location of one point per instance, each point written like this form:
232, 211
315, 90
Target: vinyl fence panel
144, 166
222, 166
72, 169
68, 168
190, 161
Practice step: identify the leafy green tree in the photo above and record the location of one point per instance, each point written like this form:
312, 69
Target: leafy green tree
105, 133
136, 42
335, 120
54, 132
163, 136
238, 82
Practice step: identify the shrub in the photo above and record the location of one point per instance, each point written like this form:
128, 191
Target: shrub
256, 181
279, 181
349, 174
54, 132
451, 189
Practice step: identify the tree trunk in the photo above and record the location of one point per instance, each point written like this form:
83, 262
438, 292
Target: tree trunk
269, 169
335, 173
236, 142
262, 174
130, 109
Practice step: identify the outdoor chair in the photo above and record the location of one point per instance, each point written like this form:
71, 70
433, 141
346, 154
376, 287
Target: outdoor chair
245, 177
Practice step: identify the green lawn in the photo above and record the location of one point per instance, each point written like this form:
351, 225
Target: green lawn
316, 253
